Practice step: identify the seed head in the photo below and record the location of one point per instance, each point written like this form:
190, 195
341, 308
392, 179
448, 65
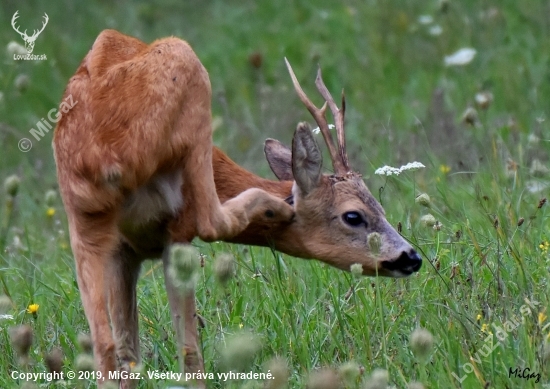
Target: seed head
11, 185
421, 343
5, 304
378, 380
22, 82
324, 379
184, 264
423, 200
279, 371
356, 269
50, 197
428, 220
484, 99
240, 351
54, 361
21, 339
349, 373
255, 59
224, 268
85, 343
541, 203
470, 116
375, 242
520, 221
85, 362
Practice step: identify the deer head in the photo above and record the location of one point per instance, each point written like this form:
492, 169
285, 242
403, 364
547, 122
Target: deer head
29, 40
337, 220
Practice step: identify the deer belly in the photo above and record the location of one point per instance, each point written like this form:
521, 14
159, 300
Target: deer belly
159, 199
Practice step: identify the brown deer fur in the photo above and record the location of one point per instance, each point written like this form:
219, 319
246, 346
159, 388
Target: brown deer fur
137, 171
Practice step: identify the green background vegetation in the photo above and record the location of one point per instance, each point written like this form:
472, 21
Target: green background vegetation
403, 105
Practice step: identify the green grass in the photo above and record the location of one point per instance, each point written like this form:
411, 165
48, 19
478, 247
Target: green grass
403, 105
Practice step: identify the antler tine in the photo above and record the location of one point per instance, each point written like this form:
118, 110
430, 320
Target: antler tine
44, 23
13, 19
338, 115
341, 135
320, 118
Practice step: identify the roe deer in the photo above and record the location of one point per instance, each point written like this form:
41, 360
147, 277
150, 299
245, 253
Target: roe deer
137, 171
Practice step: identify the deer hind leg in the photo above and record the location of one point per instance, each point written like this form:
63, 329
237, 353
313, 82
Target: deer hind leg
124, 271
184, 318
212, 220
93, 240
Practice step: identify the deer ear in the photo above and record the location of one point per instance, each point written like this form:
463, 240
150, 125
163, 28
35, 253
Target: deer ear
306, 159
279, 158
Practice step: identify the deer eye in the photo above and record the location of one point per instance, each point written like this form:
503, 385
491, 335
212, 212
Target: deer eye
354, 219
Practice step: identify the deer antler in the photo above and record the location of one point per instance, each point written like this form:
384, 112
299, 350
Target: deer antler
339, 159
15, 16
36, 33
338, 115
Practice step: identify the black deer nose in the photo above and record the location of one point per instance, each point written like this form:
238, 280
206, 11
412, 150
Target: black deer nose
407, 263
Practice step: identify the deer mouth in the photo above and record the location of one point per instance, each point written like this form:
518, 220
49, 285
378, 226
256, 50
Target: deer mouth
405, 265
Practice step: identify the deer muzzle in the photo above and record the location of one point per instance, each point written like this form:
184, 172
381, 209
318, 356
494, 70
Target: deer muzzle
407, 263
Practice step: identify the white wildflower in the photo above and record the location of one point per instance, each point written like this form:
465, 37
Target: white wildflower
317, 130
412, 166
425, 19
6, 317
461, 57
536, 186
435, 30
387, 171
484, 99
394, 171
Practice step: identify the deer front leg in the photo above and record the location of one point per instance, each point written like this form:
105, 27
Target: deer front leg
124, 271
93, 240
184, 318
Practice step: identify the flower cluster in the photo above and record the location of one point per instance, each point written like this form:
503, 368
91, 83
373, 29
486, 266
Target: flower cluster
317, 130
394, 171
461, 57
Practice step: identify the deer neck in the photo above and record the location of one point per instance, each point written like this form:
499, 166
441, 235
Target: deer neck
231, 180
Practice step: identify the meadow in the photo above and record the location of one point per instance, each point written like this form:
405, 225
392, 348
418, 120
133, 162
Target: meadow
477, 212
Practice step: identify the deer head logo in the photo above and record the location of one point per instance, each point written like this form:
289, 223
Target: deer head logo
29, 40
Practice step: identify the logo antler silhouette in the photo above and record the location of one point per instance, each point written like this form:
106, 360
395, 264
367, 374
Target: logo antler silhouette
29, 40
